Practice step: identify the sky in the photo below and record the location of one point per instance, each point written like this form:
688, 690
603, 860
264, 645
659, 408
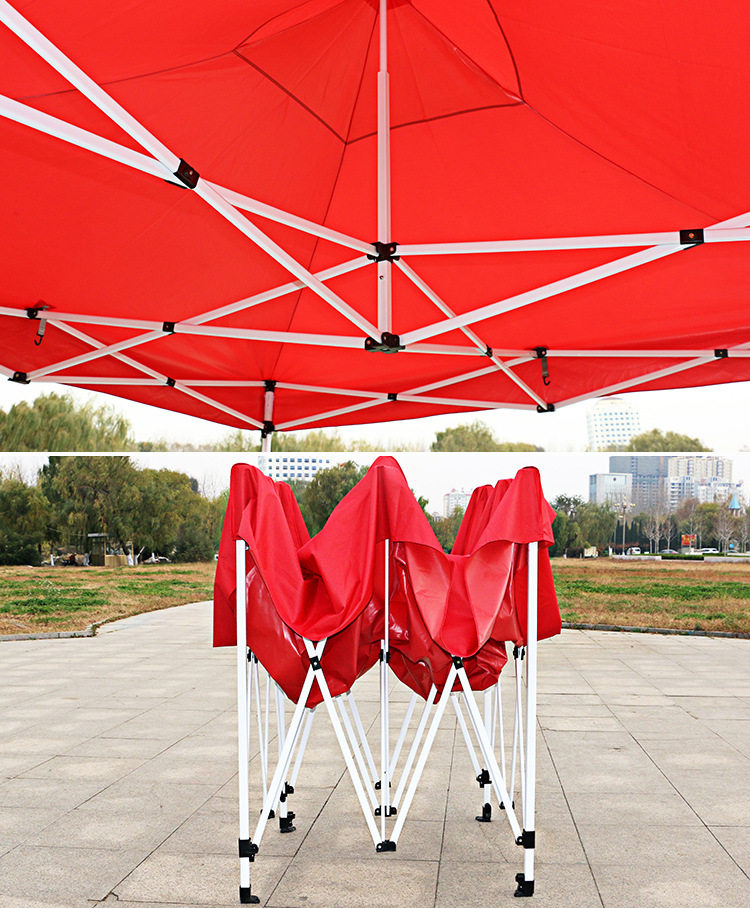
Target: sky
719, 416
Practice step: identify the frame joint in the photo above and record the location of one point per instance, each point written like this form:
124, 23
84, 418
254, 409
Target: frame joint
388, 343
187, 174
691, 237
384, 252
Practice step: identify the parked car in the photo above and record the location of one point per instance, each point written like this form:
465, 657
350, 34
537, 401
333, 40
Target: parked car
668, 552
708, 551
633, 550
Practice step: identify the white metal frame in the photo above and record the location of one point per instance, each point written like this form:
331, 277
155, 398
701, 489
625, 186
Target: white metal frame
351, 735
160, 162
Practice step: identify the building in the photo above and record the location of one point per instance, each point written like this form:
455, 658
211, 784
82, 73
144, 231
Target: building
615, 489
611, 423
456, 498
289, 467
649, 474
709, 467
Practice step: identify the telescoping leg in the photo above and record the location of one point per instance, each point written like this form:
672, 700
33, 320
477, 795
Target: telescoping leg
243, 726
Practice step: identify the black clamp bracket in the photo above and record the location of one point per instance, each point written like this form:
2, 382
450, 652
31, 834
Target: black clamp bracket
484, 778
385, 845
248, 849
691, 237
519, 651
21, 377
527, 838
385, 656
541, 353
458, 661
269, 385
550, 408
488, 351
171, 382
388, 343
721, 354
315, 663
385, 252
389, 811
288, 790
168, 327
187, 174
268, 428
392, 396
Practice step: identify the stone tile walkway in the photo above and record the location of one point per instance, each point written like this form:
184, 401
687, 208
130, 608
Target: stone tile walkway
118, 782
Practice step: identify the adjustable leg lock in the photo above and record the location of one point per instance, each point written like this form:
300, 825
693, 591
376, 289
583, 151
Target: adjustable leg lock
285, 823
385, 845
288, 790
512, 804
525, 887
486, 816
247, 898
484, 778
378, 786
389, 811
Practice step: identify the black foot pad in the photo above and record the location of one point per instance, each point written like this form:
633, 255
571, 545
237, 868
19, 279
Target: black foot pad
486, 816
385, 845
246, 898
525, 887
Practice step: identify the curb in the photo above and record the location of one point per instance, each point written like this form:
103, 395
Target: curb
572, 625
89, 631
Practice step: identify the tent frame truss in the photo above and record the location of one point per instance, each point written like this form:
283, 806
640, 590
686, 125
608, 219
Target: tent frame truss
351, 735
159, 161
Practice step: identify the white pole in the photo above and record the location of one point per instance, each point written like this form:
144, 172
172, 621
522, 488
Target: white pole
362, 736
284, 823
402, 735
385, 799
426, 747
385, 271
263, 750
465, 731
302, 746
355, 749
526, 886
415, 745
243, 745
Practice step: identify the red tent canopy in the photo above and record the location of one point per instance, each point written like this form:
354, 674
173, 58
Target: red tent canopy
557, 193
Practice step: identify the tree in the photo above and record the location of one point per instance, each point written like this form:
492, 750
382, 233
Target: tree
446, 528
655, 440
54, 422
321, 495
475, 436
597, 524
24, 513
725, 526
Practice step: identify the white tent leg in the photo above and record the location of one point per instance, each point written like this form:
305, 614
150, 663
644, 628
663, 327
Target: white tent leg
285, 819
362, 736
341, 737
302, 746
501, 732
526, 883
261, 739
484, 746
478, 771
402, 734
355, 749
243, 731
384, 783
414, 745
426, 747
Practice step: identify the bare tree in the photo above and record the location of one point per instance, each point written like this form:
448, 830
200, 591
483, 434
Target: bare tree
725, 526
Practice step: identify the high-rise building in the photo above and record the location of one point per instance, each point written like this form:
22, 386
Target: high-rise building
649, 473
611, 422
288, 467
456, 498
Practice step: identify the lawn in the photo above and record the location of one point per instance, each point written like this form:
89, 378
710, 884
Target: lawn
688, 595
42, 599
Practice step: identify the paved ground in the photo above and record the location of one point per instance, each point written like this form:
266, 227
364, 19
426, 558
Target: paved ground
118, 783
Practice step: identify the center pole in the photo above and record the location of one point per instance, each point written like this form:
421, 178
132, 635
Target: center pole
384, 175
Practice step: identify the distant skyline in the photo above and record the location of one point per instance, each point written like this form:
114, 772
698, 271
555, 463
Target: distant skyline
716, 415
429, 475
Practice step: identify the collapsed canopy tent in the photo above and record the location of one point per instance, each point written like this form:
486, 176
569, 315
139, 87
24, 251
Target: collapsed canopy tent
439, 622
238, 210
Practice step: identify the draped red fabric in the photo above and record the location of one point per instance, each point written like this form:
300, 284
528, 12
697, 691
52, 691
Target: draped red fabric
441, 605
520, 120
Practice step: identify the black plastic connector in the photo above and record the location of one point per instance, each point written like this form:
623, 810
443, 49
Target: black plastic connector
486, 815
385, 845
21, 377
288, 790
248, 848
519, 652
384, 252
268, 428
458, 661
691, 237
269, 385
721, 354
384, 656
484, 778
390, 811
488, 351
392, 396
525, 887
527, 839
168, 327
247, 898
550, 408
171, 382
285, 823
388, 343
187, 174
541, 353
315, 662
502, 805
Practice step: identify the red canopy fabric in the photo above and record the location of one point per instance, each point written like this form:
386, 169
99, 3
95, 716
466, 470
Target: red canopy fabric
572, 141
466, 604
